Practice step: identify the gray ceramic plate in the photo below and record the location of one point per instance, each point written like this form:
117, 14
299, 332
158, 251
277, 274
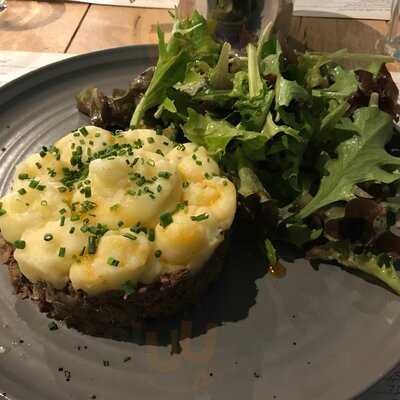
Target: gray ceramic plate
323, 335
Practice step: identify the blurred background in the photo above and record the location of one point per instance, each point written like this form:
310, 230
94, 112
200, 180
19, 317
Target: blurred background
72, 27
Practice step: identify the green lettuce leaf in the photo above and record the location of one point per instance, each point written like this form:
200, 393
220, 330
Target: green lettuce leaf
247, 181
193, 82
300, 234
379, 266
169, 71
250, 183
166, 105
215, 135
336, 112
271, 129
345, 84
264, 43
359, 159
256, 85
270, 251
287, 91
254, 111
192, 39
311, 63
220, 77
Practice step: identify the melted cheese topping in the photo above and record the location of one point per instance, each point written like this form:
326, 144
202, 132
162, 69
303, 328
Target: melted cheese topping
108, 211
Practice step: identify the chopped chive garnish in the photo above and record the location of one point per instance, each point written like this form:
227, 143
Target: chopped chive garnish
150, 140
75, 218
48, 237
137, 144
22, 191
207, 175
62, 211
41, 188
82, 253
158, 151
62, 220
83, 131
88, 191
115, 207
38, 165
33, 184
19, 244
200, 217
61, 252
43, 203
158, 253
62, 189
225, 183
198, 162
159, 188
151, 234
151, 163
23, 176
185, 185
92, 245
113, 262
72, 230
128, 287
180, 206
194, 156
121, 223
129, 236
165, 219
164, 174
2, 212
51, 172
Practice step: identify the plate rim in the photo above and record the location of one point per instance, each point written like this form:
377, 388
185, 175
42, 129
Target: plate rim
6, 90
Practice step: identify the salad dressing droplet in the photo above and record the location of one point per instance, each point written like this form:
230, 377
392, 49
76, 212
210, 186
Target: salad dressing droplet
277, 270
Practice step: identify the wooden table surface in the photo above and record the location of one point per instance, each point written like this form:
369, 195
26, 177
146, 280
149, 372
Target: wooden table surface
78, 28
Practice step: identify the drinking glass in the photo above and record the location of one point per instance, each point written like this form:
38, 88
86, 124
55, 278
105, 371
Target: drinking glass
392, 40
239, 20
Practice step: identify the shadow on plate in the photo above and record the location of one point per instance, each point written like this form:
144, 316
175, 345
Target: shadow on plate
229, 299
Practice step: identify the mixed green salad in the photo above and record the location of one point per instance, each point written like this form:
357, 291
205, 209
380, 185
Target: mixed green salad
311, 144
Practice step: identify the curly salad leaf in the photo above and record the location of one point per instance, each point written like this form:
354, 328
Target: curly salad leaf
191, 39
309, 142
359, 159
380, 266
